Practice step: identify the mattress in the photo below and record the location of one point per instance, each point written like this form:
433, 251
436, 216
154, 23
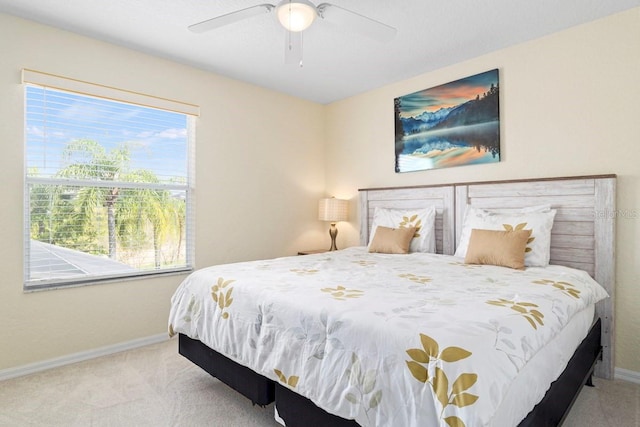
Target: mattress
408, 340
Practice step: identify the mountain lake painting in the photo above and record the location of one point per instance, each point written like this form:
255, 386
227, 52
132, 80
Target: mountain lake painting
453, 124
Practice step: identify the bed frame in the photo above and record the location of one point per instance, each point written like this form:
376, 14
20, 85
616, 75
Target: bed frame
583, 236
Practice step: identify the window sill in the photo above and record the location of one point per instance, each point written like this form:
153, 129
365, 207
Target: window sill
100, 281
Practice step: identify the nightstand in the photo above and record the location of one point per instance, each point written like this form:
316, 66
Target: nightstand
313, 251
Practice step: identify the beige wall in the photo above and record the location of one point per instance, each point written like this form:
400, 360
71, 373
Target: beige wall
570, 105
257, 181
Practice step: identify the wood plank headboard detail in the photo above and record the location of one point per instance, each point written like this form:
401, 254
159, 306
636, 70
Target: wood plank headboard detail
583, 235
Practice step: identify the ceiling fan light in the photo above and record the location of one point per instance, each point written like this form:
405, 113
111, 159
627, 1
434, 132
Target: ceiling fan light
296, 15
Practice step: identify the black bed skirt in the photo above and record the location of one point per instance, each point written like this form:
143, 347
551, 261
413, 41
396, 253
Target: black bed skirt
258, 389
298, 411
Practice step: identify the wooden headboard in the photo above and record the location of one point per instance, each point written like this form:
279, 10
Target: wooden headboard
583, 234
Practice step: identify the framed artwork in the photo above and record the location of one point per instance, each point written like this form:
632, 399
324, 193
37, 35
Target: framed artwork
454, 124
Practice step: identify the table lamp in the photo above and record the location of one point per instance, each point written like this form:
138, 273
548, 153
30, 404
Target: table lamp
333, 210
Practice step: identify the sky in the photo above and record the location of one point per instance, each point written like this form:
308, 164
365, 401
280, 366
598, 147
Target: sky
447, 95
157, 139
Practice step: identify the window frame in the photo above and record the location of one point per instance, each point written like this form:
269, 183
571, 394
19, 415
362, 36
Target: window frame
83, 88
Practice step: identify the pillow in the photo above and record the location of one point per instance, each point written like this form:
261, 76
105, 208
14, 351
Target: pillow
423, 220
503, 248
538, 250
392, 240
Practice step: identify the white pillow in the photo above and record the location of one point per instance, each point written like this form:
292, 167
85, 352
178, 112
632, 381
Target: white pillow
424, 221
538, 249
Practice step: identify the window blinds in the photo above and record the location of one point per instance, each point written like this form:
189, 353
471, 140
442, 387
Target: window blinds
108, 182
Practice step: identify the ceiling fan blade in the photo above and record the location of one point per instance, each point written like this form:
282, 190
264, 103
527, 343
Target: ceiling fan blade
356, 22
230, 18
293, 47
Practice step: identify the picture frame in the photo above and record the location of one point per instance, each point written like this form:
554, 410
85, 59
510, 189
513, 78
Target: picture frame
454, 124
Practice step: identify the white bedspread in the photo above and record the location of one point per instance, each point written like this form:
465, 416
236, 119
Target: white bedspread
387, 340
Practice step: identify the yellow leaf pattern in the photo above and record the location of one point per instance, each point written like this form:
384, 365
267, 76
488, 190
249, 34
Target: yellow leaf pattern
440, 387
464, 399
364, 263
292, 381
303, 271
280, 375
342, 293
430, 345
519, 227
526, 309
418, 279
464, 382
418, 371
453, 354
412, 221
454, 422
221, 297
457, 394
418, 355
462, 264
566, 287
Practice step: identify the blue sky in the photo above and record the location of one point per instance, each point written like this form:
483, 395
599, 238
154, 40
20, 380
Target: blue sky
157, 139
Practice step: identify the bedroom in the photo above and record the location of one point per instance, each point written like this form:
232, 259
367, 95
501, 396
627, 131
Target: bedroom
591, 69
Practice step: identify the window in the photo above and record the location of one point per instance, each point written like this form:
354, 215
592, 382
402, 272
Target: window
108, 183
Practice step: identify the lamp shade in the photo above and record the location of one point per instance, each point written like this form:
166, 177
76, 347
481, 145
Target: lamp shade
296, 15
333, 210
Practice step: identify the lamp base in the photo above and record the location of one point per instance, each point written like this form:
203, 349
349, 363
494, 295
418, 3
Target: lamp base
333, 232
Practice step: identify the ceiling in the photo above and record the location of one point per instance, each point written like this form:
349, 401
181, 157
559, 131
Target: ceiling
337, 63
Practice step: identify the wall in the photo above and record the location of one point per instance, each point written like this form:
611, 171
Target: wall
569, 106
257, 186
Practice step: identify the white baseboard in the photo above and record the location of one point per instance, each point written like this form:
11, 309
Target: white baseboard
32, 368
627, 375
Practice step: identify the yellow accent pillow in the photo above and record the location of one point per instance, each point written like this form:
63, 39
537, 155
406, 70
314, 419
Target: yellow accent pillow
492, 247
392, 240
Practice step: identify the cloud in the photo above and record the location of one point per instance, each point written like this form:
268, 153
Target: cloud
173, 133
35, 131
81, 112
39, 132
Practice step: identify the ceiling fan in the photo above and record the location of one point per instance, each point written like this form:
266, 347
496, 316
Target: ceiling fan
296, 16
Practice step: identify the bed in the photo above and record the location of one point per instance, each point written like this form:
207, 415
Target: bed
339, 350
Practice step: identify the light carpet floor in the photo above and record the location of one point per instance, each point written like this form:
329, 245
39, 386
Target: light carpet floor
154, 386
